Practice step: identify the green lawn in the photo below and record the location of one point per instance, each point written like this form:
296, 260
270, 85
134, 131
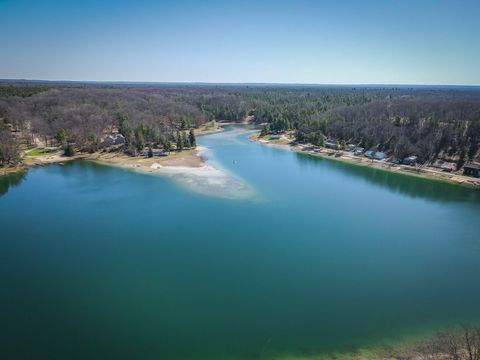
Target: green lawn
38, 152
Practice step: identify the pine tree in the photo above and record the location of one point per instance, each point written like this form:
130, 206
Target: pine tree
179, 141
186, 142
193, 141
61, 136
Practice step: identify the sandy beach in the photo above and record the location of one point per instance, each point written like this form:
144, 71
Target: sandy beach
188, 168
188, 158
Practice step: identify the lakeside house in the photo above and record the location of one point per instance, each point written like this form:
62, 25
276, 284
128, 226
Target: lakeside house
369, 154
444, 165
156, 152
274, 137
110, 140
410, 160
379, 155
471, 169
350, 147
119, 139
359, 151
330, 144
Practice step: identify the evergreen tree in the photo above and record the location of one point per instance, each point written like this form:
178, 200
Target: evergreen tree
61, 136
69, 150
179, 141
185, 123
185, 141
321, 140
167, 145
193, 140
139, 140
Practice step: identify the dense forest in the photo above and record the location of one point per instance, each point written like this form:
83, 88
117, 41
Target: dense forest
428, 123
425, 123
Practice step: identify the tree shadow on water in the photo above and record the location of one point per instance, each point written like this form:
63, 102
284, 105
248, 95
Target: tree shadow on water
405, 184
12, 180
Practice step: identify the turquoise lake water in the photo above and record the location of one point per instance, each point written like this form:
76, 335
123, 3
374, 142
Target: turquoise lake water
103, 263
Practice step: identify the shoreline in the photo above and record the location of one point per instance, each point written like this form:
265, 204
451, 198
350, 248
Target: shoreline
192, 159
186, 158
349, 158
188, 168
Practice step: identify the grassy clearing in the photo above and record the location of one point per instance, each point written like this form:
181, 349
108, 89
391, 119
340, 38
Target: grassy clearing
38, 152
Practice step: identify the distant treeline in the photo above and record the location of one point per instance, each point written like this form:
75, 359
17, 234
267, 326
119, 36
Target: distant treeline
22, 91
424, 122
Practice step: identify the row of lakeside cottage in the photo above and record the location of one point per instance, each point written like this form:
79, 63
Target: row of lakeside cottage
371, 154
469, 169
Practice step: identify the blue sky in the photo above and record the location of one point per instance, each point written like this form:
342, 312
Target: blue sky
326, 42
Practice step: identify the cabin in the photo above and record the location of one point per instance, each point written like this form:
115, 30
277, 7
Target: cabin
471, 169
156, 152
369, 153
359, 151
410, 160
274, 137
350, 147
330, 145
108, 141
111, 140
379, 155
444, 165
119, 139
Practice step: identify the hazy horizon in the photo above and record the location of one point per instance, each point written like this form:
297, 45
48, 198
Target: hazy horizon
194, 83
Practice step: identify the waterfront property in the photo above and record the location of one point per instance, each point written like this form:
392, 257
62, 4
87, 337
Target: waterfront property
410, 160
155, 152
471, 169
113, 139
369, 153
379, 155
330, 144
359, 151
446, 166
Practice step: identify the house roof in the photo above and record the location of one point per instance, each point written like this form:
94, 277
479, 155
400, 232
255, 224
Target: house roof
472, 166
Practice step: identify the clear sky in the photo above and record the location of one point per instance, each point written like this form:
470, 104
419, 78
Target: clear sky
326, 42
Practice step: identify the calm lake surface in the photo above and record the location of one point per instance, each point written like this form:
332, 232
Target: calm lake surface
103, 263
